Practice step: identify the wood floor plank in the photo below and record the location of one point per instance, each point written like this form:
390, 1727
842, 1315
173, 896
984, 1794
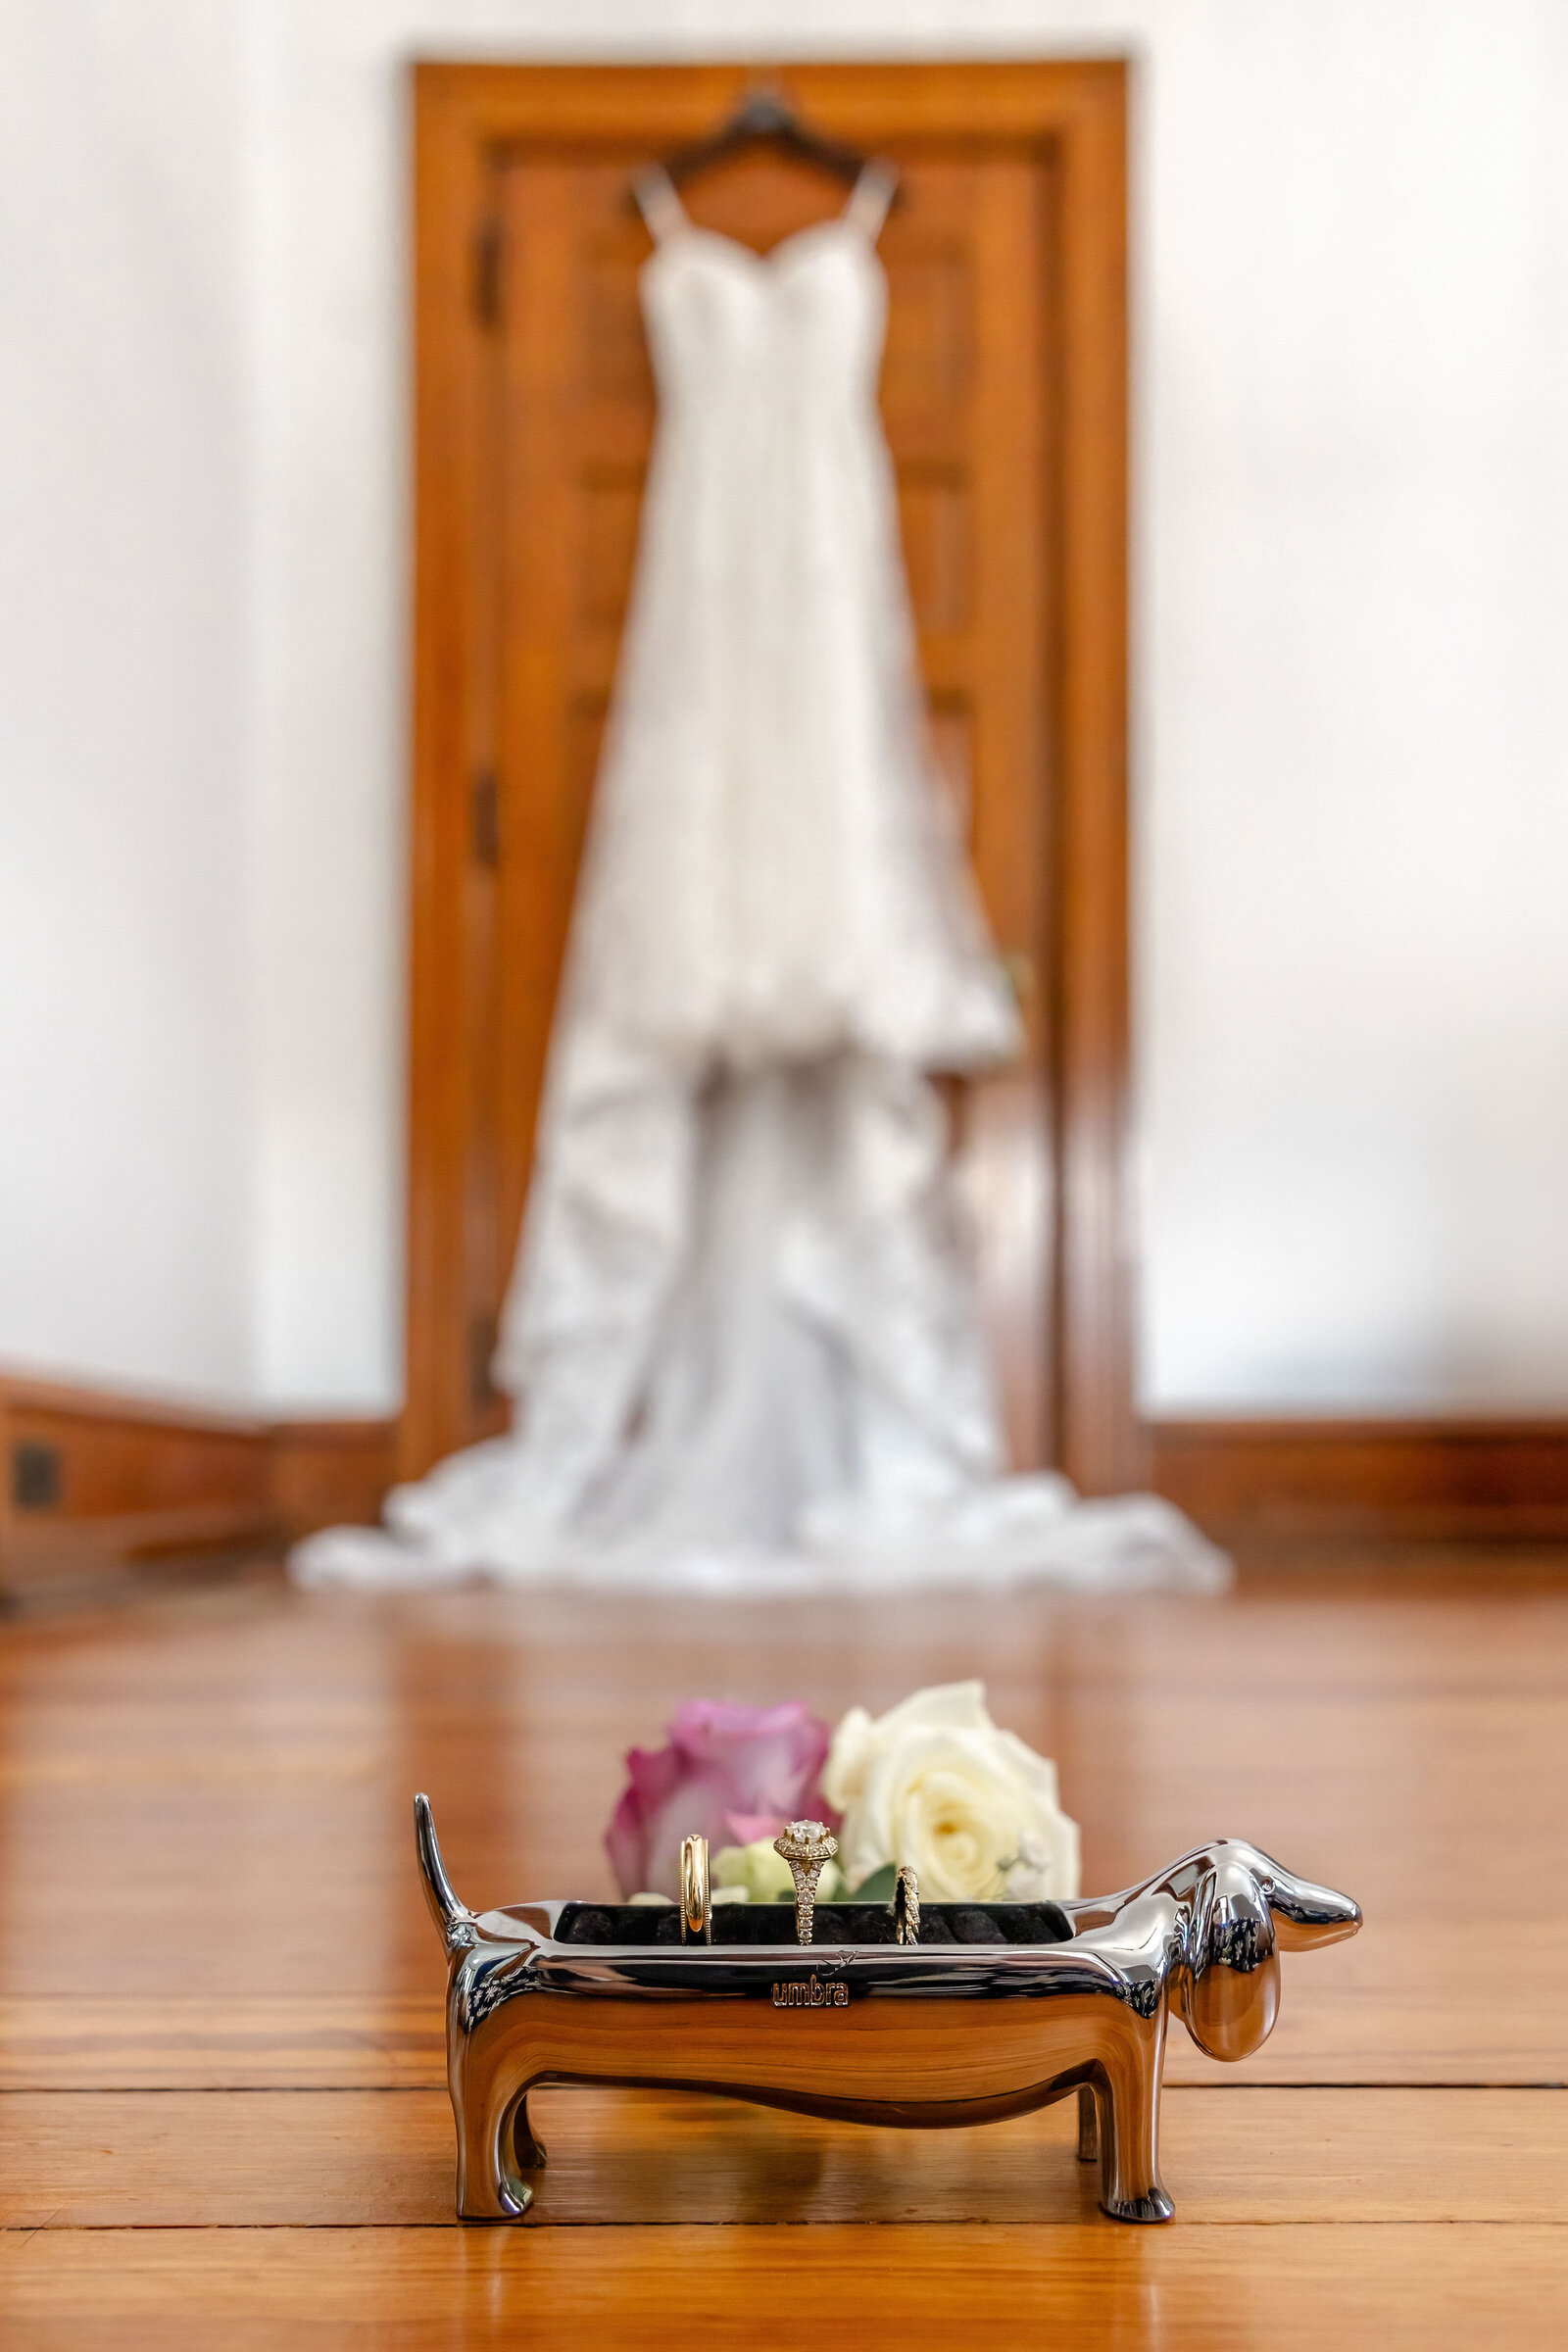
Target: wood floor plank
1177, 2289
163, 2041
274, 2159
231, 2013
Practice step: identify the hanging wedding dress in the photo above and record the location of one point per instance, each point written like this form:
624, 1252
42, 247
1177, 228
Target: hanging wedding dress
740, 1335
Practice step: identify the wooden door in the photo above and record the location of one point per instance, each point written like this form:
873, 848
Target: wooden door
544, 405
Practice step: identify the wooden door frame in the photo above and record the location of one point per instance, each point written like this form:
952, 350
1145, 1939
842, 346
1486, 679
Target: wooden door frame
1073, 114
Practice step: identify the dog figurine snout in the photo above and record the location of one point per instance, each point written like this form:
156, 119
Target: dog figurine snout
1306, 1917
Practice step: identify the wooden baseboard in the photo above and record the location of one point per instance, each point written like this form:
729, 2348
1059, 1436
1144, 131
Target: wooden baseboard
1502, 1481
330, 1473
95, 1482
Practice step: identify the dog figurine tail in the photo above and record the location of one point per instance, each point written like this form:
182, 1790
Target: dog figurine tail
453, 1920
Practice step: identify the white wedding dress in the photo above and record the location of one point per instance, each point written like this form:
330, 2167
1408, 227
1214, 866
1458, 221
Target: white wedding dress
740, 1335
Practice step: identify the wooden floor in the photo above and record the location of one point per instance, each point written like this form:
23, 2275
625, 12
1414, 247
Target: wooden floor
222, 2119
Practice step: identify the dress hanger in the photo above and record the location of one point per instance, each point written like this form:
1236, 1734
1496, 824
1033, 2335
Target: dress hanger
764, 117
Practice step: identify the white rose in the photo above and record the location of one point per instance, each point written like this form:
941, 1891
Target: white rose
934, 1783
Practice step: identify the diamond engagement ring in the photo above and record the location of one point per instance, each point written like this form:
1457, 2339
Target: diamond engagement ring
805, 1845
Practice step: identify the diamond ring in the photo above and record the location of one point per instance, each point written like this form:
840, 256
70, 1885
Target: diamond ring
805, 1845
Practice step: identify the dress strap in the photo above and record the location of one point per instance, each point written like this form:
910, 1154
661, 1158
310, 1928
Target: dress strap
870, 197
659, 204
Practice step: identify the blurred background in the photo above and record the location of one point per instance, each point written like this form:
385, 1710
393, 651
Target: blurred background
1350, 696
278, 922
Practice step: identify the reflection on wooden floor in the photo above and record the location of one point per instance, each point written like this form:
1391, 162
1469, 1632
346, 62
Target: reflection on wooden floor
222, 2119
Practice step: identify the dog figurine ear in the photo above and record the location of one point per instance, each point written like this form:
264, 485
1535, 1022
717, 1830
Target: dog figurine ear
1226, 1986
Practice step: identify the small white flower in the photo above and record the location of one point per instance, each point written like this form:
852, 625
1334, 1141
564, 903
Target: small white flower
934, 1783
761, 1874
758, 1874
1027, 1873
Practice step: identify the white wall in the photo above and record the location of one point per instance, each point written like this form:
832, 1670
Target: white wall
1354, 698
1351, 250
123, 1055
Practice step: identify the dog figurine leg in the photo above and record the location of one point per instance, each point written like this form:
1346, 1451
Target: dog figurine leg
1088, 2124
496, 2144
527, 2147
1128, 2115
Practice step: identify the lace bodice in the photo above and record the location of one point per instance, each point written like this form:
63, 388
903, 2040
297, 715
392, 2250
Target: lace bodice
774, 871
735, 333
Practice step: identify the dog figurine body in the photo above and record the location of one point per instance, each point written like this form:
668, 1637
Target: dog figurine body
921, 2036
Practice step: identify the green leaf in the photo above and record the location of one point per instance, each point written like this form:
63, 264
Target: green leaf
878, 1887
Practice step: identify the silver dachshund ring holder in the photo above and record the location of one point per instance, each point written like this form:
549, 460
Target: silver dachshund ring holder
881, 2013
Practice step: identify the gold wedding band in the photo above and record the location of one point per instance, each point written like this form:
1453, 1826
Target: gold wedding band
696, 1900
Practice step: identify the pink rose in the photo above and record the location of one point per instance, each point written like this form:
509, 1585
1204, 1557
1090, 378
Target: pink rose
729, 1774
